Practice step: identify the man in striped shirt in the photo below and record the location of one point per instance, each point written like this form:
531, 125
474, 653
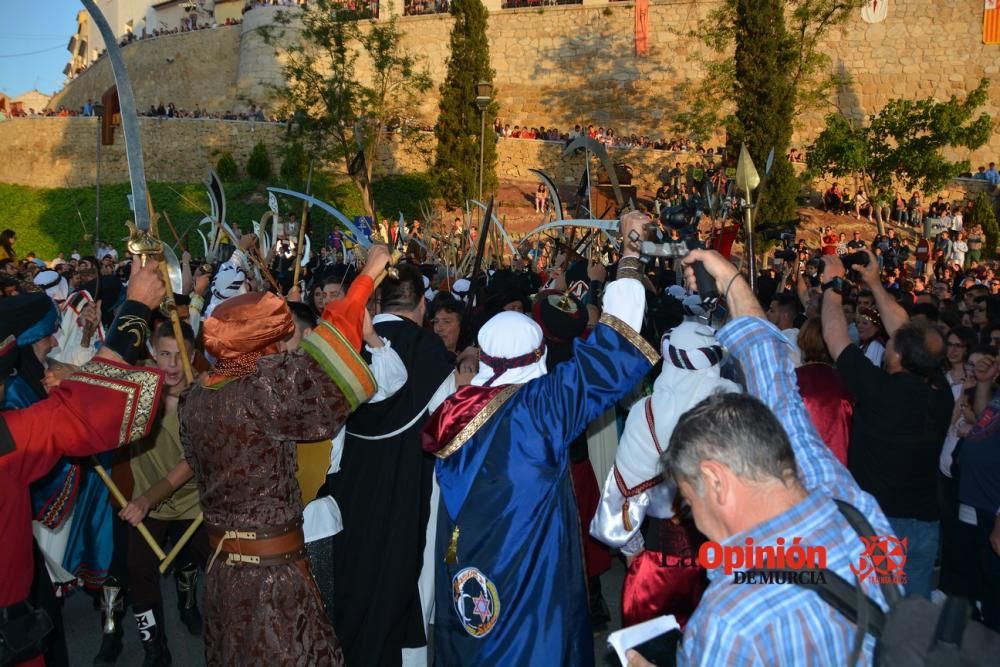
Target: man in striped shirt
755, 471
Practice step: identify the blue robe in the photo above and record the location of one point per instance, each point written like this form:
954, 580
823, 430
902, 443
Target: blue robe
516, 593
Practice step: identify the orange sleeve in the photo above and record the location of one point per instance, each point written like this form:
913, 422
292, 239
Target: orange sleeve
347, 315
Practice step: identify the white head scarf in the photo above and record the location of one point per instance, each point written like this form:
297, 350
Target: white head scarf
54, 285
691, 373
509, 335
228, 282
461, 288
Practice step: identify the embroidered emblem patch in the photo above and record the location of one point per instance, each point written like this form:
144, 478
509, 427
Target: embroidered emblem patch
476, 601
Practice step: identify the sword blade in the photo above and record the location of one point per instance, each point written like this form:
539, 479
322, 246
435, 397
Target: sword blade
130, 118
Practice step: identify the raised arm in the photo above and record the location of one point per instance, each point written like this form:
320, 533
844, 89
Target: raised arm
835, 331
892, 314
765, 356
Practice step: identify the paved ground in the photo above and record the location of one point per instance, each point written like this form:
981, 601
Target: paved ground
83, 628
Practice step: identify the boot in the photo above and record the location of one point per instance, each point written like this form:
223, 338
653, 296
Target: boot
112, 610
153, 635
187, 598
600, 615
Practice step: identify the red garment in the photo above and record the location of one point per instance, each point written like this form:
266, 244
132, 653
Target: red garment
830, 405
830, 245
588, 496
102, 406
666, 580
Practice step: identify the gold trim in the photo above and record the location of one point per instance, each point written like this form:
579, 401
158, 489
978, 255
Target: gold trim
477, 422
140, 398
632, 336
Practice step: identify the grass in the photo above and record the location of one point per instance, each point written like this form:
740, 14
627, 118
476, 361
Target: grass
53, 220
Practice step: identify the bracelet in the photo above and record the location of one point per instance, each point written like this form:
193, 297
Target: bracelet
127, 335
629, 267
159, 492
729, 286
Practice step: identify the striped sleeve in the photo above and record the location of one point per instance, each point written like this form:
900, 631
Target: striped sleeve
338, 357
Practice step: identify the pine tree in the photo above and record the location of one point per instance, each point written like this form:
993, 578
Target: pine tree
985, 215
456, 165
765, 102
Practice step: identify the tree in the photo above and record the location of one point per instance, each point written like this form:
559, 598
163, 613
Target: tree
339, 116
459, 122
294, 168
226, 167
765, 101
902, 144
766, 71
259, 164
985, 215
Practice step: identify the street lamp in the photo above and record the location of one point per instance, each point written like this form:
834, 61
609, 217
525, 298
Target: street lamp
484, 91
99, 114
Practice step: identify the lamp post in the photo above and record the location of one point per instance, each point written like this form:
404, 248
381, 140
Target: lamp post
484, 92
99, 114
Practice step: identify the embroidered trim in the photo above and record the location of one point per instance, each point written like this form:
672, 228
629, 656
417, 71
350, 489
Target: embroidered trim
140, 386
652, 426
477, 422
632, 336
56, 509
638, 488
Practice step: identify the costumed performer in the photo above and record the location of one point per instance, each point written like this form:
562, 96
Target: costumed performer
511, 586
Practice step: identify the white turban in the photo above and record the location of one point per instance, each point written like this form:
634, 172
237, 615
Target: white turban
54, 285
510, 336
229, 281
461, 289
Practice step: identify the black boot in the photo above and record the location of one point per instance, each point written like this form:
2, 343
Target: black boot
112, 610
187, 598
600, 615
154, 638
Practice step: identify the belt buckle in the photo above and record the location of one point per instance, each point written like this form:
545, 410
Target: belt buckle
243, 558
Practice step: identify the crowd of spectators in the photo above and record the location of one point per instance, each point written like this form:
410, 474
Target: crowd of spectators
607, 136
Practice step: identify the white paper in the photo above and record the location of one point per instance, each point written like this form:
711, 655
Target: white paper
630, 637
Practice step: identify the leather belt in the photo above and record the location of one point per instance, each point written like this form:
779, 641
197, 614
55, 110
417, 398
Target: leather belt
275, 546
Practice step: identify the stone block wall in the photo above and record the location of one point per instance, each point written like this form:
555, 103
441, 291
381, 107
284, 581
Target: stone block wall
558, 66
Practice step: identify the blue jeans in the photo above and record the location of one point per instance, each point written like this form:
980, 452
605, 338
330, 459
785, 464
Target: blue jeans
922, 539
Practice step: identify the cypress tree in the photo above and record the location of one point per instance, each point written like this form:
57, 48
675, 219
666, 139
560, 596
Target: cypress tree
765, 102
456, 165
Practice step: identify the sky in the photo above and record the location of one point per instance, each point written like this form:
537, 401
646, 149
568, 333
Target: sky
41, 28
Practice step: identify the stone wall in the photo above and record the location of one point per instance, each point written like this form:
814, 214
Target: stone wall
61, 152
562, 65
189, 69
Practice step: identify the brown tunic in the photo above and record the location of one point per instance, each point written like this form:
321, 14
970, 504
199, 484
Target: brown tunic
240, 440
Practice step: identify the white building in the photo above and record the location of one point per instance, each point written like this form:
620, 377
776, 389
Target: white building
142, 18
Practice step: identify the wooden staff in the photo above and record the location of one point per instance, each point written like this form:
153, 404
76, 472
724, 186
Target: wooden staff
168, 300
120, 499
302, 230
181, 541
173, 230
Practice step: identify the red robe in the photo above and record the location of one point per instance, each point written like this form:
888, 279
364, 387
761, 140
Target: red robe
102, 406
830, 405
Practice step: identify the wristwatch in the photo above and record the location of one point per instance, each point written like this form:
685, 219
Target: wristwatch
836, 284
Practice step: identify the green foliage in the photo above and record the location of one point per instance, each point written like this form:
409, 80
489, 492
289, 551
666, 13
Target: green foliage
226, 168
335, 113
903, 143
983, 213
459, 125
259, 164
765, 101
48, 221
295, 166
713, 102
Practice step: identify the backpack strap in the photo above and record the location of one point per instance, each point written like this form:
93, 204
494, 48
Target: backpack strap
859, 522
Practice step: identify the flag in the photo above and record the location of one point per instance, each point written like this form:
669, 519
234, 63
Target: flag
991, 23
642, 27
